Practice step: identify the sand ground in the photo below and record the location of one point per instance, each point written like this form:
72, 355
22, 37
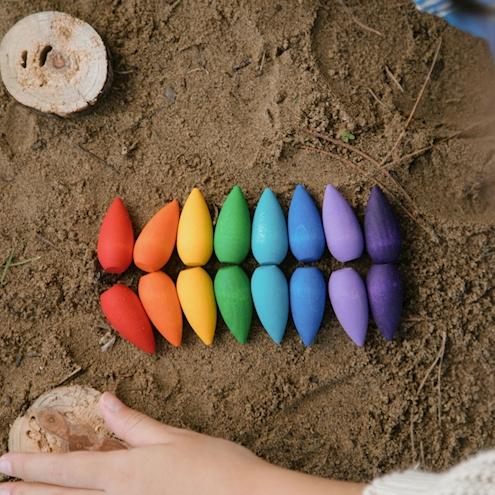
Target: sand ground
248, 75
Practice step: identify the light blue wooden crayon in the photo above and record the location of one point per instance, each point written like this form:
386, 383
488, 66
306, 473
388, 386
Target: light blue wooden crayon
269, 239
306, 235
308, 295
271, 299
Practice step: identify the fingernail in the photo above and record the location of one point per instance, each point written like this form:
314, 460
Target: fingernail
5, 468
110, 401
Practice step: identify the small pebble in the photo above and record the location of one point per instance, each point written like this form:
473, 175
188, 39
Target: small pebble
170, 95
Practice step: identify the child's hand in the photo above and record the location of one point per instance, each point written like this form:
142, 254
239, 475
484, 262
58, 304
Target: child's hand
164, 460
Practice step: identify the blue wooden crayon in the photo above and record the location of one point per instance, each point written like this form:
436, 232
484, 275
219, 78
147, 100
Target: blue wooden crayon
306, 236
271, 299
308, 295
269, 240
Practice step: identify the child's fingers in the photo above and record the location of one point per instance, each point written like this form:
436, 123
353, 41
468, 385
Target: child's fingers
42, 489
135, 428
88, 470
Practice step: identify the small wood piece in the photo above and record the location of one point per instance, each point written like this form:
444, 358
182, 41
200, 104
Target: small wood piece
54, 63
64, 419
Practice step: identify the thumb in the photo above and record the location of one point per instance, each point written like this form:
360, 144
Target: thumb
133, 427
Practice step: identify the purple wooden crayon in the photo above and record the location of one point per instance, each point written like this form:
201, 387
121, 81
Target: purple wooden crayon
381, 229
386, 295
342, 230
350, 302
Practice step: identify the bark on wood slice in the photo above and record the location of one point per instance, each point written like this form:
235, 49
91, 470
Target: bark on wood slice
55, 64
64, 419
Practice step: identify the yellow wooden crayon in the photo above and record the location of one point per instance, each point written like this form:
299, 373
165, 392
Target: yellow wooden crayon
196, 296
195, 232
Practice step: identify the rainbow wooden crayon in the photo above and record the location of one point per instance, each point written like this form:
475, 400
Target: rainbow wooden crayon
308, 295
159, 298
233, 295
343, 233
350, 302
269, 240
156, 242
197, 298
195, 231
116, 239
306, 236
232, 237
126, 314
271, 299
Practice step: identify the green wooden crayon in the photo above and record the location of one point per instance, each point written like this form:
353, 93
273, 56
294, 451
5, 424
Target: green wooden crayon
233, 229
233, 294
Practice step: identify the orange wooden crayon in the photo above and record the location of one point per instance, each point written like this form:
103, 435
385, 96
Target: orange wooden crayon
156, 242
159, 298
196, 296
195, 231
116, 239
126, 314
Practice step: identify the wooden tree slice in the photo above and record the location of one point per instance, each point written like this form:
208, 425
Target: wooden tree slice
64, 419
54, 63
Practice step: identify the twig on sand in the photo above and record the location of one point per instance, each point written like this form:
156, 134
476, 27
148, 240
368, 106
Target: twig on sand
442, 353
439, 357
44, 239
379, 184
381, 165
357, 21
391, 75
97, 158
70, 376
380, 102
418, 99
9, 263
366, 157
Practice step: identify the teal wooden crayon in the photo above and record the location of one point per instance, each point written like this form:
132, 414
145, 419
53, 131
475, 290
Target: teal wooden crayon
233, 295
269, 240
308, 295
232, 237
271, 299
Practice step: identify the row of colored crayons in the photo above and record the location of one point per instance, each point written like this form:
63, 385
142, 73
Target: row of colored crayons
306, 232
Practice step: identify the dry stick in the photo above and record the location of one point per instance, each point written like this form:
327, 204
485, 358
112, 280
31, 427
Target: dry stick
44, 239
439, 379
380, 102
361, 171
418, 99
97, 158
438, 143
422, 150
357, 21
20, 263
411, 433
365, 156
439, 356
390, 73
9, 263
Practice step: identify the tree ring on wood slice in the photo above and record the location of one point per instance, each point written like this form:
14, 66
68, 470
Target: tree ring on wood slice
55, 64
64, 419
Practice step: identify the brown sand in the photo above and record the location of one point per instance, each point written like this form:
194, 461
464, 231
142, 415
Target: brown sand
247, 75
